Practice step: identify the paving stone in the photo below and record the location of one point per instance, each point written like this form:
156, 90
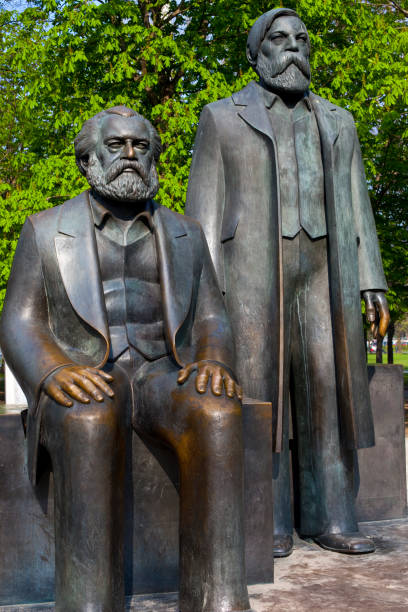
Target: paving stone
312, 579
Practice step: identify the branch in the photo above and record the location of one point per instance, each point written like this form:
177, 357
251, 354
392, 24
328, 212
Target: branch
398, 7
182, 8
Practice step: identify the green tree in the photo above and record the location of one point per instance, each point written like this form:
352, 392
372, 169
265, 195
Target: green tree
64, 60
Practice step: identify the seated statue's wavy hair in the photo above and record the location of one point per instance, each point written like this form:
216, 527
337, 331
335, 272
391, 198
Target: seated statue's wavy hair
85, 141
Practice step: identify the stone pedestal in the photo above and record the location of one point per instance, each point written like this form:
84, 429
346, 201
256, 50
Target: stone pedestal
381, 479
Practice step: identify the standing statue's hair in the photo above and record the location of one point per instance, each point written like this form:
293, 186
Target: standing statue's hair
260, 28
85, 141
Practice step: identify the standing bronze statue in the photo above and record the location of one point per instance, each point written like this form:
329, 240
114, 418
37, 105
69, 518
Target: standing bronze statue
113, 319
278, 183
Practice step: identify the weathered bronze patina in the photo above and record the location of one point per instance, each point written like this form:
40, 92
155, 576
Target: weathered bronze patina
278, 183
113, 320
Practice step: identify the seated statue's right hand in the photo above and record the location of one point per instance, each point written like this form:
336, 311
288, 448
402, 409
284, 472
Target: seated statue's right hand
80, 383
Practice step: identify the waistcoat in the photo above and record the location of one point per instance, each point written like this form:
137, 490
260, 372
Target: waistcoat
131, 287
300, 169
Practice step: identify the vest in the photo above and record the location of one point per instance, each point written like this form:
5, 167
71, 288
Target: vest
131, 287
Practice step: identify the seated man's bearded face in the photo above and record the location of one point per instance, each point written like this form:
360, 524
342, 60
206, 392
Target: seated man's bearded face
283, 57
121, 167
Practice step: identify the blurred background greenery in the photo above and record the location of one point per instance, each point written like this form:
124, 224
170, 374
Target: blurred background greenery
63, 61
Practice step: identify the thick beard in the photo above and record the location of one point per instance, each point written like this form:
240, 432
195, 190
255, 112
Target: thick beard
291, 76
126, 187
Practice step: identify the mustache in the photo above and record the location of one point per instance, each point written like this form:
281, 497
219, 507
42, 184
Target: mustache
121, 165
286, 59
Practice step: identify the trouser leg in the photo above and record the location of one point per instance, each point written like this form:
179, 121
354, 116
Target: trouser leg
211, 520
325, 466
282, 496
206, 434
87, 448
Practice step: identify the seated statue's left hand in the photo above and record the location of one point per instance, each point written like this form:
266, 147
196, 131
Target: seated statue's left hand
210, 371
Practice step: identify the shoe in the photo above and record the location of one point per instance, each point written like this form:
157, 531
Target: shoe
282, 545
349, 543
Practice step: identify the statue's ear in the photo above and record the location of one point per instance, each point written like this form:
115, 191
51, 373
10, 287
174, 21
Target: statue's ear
250, 59
82, 164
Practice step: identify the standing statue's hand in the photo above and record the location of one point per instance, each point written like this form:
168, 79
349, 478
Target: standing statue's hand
219, 376
79, 383
377, 312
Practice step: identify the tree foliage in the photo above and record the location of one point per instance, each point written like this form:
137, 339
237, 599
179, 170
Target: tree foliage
64, 60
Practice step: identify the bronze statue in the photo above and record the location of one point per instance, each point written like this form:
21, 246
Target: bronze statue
278, 183
113, 319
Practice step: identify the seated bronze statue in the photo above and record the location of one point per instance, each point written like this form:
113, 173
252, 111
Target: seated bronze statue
114, 320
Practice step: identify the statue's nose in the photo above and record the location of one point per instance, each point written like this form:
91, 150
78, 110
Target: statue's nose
129, 151
292, 44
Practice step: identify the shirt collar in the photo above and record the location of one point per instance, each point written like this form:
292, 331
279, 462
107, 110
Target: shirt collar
100, 213
270, 98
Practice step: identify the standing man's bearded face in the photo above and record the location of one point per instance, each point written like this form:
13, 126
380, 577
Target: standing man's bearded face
283, 57
122, 167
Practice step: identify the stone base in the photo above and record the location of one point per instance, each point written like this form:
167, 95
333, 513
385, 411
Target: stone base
381, 479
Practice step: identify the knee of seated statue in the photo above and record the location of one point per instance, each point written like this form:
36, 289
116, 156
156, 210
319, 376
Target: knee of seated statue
82, 397
90, 417
215, 409
213, 420
83, 424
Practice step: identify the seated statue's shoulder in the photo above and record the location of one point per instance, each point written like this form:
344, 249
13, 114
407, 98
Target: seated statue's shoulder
188, 224
192, 225
47, 215
46, 223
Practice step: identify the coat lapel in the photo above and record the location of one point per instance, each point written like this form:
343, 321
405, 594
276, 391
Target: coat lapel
326, 117
78, 262
176, 270
254, 111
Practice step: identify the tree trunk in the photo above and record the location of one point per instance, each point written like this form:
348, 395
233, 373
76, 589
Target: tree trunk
390, 348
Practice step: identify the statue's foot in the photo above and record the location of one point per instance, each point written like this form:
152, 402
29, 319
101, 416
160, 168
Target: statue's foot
349, 543
282, 545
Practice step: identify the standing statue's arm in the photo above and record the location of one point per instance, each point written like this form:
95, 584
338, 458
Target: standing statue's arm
372, 281
369, 257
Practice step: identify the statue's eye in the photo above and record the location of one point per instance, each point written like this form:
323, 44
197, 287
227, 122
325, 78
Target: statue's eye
142, 144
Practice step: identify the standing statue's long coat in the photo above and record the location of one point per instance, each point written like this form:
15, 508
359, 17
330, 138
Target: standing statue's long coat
234, 192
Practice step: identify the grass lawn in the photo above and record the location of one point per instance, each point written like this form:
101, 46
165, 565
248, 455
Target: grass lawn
401, 358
